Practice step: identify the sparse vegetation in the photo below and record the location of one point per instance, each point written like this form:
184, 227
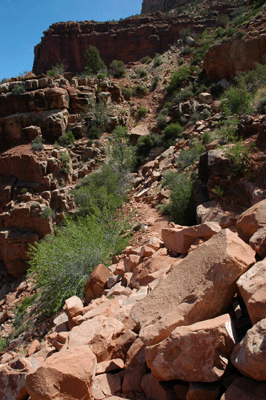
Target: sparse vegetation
58, 69
117, 69
37, 143
94, 61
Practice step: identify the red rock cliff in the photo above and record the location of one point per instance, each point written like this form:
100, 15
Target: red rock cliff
127, 40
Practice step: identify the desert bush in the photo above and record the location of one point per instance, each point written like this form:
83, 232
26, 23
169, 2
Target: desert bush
177, 79
47, 212
139, 90
146, 143
94, 61
189, 157
236, 100
58, 69
117, 69
3, 344
238, 158
18, 89
157, 60
240, 33
222, 20
182, 205
172, 131
161, 121
154, 83
146, 60
142, 112
67, 140
127, 93
205, 114
37, 143
122, 153
140, 72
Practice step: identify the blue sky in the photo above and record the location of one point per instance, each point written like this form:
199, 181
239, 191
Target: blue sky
22, 23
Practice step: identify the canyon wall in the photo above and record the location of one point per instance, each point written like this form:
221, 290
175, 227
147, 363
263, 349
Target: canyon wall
150, 6
128, 40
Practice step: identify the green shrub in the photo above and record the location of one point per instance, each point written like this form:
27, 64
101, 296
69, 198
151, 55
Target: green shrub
236, 100
142, 112
146, 143
222, 20
189, 157
173, 131
37, 143
183, 95
157, 60
177, 79
117, 69
140, 72
18, 89
67, 140
146, 60
94, 61
154, 82
47, 212
58, 69
240, 33
219, 32
139, 90
182, 204
205, 114
161, 121
238, 158
218, 191
94, 132
3, 344
127, 93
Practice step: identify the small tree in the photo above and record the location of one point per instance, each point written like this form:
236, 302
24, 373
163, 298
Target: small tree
94, 61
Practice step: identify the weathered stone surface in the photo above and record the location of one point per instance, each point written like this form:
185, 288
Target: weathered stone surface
245, 389
252, 286
157, 390
194, 353
105, 385
138, 132
109, 366
98, 332
64, 375
73, 306
180, 239
251, 220
12, 380
149, 270
258, 242
249, 356
199, 287
96, 283
226, 60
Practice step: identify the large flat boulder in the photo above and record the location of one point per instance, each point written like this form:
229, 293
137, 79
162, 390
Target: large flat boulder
199, 287
252, 287
64, 375
196, 353
245, 389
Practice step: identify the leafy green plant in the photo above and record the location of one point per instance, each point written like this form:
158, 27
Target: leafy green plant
37, 143
240, 33
161, 121
18, 89
58, 69
146, 60
182, 205
64, 158
173, 131
139, 91
142, 112
189, 157
67, 140
146, 143
157, 60
236, 100
3, 344
127, 93
238, 158
154, 82
94, 61
177, 79
47, 213
117, 69
140, 72
218, 191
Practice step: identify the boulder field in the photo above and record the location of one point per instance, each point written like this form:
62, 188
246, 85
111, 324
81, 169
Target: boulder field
186, 326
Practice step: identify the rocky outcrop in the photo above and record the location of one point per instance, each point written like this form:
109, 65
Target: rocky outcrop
128, 40
226, 60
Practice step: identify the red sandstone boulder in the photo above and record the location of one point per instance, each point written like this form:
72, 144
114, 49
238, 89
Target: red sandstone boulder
12, 379
64, 375
98, 333
199, 287
180, 239
106, 385
96, 283
251, 220
149, 270
73, 306
252, 287
258, 242
194, 353
249, 356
